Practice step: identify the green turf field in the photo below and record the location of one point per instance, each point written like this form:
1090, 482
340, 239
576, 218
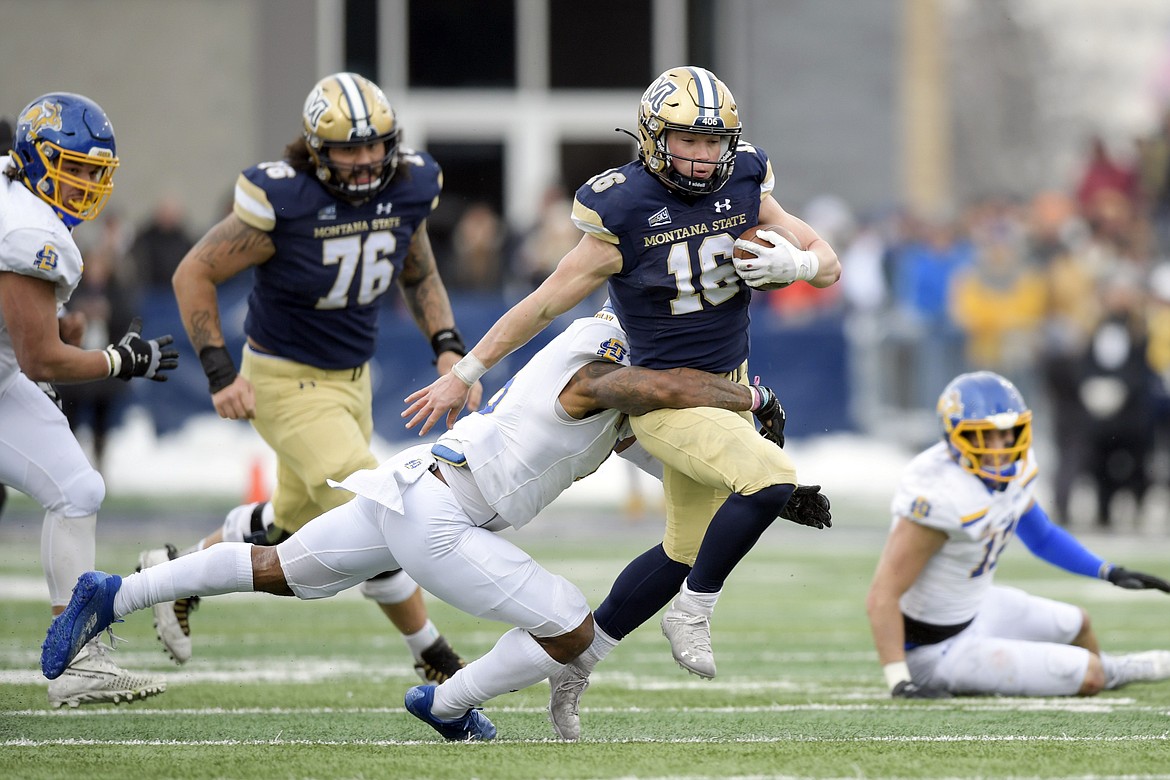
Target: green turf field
283, 689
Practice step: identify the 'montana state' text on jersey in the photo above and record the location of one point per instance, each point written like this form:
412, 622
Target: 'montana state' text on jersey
678, 295
316, 300
33, 242
522, 448
937, 493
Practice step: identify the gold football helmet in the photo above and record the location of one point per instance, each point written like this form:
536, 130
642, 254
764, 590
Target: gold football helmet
347, 111
691, 100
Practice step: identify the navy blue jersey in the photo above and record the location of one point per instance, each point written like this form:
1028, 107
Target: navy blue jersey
316, 300
678, 296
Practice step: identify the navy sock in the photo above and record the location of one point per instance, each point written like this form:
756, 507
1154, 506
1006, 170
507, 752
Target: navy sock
646, 585
734, 530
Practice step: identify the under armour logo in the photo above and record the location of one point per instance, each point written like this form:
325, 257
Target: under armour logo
383, 208
722, 205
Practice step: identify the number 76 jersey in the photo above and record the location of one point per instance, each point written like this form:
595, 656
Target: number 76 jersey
316, 301
936, 492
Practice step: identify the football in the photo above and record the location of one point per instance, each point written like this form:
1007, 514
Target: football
750, 235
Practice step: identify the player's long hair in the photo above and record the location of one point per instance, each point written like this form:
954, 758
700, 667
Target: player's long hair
297, 155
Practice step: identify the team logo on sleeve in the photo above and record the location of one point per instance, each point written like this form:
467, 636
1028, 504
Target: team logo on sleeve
919, 508
46, 259
613, 350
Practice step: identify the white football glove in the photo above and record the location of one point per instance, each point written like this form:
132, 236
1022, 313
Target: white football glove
781, 264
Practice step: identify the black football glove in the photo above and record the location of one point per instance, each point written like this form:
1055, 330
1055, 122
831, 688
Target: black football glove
808, 506
908, 689
1135, 580
770, 414
135, 356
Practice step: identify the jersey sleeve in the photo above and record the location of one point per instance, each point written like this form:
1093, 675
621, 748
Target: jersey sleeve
919, 500
599, 340
756, 161
425, 174
41, 254
251, 203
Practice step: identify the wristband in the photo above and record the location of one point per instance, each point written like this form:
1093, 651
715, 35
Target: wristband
218, 366
469, 369
810, 267
895, 673
757, 398
114, 358
448, 340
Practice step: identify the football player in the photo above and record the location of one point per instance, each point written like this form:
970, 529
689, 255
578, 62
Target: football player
328, 230
58, 174
432, 510
940, 626
660, 231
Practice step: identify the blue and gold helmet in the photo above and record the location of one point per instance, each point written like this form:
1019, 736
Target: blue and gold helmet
973, 405
348, 110
55, 134
689, 100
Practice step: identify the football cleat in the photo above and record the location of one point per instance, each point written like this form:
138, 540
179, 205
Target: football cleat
565, 689
439, 662
93, 678
690, 640
473, 726
1147, 666
89, 612
171, 618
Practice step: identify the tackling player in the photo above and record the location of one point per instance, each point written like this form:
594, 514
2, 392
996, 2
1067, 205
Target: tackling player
940, 626
432, 509
660, 232
58, 174
328, 230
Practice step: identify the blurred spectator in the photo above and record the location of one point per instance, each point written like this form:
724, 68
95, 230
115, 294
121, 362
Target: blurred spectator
160, 244
1104, 182
833, 220
542, 247
998, 302
923, 266
108, 305
478, 243
1116, 386
1154, 181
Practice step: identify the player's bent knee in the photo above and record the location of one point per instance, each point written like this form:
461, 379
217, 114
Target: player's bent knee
567, 646
1094, 681
82, 497
389, 588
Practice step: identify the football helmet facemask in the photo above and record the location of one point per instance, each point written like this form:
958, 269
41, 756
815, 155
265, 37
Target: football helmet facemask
348, 111
972, 406
689, 100
54, 134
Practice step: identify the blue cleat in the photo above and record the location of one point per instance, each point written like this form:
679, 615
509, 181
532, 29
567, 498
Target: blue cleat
473, 726
90, 611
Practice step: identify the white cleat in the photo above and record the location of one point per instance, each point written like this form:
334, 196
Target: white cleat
566, 687
170, 617
690, 640
1147, 666
93, 678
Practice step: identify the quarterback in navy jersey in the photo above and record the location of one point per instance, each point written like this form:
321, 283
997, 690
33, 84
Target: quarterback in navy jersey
328, 229
660, 232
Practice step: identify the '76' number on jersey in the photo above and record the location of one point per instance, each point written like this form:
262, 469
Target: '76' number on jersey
349, 253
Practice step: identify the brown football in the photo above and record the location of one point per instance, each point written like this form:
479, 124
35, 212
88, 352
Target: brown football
750, 235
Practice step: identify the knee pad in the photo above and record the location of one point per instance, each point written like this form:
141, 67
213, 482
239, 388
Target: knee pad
83, 496
390, 588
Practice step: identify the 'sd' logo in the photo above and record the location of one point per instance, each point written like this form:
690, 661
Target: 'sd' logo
613, 350
46, 259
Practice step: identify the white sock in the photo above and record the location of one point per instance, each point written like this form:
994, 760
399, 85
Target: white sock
221, 568
516, 662
602, 645
422, 639
68, 550
696, 603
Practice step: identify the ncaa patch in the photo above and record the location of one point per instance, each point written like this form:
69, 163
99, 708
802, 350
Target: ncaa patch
46, 258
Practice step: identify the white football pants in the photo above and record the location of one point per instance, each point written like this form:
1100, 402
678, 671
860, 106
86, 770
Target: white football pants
1018, 645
